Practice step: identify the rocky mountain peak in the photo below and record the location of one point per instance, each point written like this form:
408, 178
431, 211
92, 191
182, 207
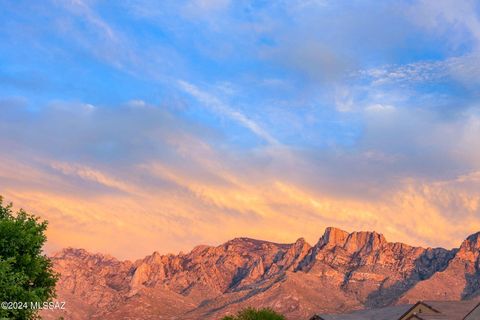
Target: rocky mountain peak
82, 254
472, 243
243, 242
200, 248
352, 242
333, 237
300, 243
343, 271
470, 248
364, 240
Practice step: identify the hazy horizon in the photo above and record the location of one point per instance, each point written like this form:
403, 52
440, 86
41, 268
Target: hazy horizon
139, 126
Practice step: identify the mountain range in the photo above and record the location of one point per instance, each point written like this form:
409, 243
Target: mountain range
342, 272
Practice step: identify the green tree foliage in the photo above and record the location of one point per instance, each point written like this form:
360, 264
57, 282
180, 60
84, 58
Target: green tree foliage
26, 274
254, 314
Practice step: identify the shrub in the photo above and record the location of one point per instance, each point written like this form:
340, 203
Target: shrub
255, 314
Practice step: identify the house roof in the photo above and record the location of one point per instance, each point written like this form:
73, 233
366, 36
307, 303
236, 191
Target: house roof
441, 310
388, 313
428, 317
476, 308
452, 310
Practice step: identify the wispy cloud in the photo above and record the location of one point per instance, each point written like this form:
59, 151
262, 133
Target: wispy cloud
364, 121
178, 187
83, 8
90, 174
464, 69
217, 106
458, 20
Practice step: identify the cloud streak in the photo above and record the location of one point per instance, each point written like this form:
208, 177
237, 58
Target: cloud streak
213, 103
179, 189
146, 125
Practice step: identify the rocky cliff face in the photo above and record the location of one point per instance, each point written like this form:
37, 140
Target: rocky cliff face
458, 280
343, 271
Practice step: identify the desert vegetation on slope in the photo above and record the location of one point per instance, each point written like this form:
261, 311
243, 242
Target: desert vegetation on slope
255, 314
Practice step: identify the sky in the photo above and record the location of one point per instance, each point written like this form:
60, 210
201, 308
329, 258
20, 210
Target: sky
137, 126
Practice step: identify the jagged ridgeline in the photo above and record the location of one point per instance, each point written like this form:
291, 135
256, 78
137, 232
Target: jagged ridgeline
343, 271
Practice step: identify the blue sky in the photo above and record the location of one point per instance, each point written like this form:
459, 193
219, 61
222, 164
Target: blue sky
364, 110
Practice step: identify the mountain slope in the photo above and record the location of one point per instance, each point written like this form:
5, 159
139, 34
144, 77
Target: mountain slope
342, 271
459, 280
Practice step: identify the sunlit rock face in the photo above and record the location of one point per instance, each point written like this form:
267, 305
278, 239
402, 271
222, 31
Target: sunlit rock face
460, 279
343, 271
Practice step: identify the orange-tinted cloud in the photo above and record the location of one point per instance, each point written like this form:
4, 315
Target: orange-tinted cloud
141, 219
168, 185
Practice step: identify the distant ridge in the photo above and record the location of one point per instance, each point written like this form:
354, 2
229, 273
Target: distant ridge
342, 272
